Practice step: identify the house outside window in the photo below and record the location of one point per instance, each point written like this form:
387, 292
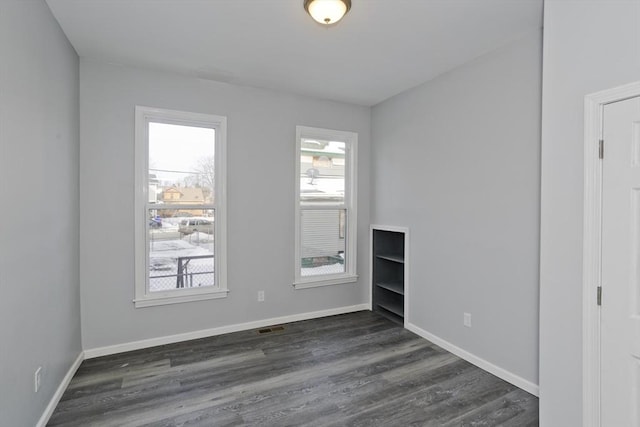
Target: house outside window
326, 201
180, 207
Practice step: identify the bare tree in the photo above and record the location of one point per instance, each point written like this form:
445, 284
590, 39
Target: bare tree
205, 172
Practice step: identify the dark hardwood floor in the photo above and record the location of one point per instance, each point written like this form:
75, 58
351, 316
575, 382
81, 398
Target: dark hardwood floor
356, 369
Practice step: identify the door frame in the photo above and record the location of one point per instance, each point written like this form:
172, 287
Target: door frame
592, 245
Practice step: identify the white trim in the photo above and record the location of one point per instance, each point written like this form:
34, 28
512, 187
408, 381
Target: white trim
397, 229
499, 372
350, 204
592, 243
46, 415
591, 265
170, 339
144, 115
325, 281
178, 299
371, 227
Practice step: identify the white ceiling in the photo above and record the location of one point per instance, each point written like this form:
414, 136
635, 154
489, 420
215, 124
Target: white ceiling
381, 48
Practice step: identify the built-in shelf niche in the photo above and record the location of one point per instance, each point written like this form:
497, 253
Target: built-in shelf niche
388, 271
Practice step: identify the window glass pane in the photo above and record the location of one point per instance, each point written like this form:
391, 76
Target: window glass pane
180, 249
181, 165
323, 242
322, 166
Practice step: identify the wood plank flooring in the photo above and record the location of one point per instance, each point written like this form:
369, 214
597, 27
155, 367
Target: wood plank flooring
357, 369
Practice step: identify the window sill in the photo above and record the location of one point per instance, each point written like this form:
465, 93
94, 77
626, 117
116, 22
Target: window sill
178, 299
325, 282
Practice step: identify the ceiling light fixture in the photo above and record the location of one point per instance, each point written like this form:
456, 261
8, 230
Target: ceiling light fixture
327, 12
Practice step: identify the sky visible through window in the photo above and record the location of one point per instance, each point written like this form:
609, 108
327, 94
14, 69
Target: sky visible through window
176, 150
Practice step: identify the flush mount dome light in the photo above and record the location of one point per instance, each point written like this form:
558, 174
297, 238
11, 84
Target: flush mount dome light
327, 12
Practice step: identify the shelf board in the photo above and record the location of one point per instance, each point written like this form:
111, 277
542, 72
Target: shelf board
391, 316
396, 309
392, 286
389, 257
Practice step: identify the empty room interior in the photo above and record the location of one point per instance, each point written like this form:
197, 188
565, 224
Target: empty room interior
259, 213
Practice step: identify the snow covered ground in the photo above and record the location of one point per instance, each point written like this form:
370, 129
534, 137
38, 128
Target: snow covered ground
166, 247
166, 254
323, 269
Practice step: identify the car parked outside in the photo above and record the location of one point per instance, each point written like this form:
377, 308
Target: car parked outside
192, 225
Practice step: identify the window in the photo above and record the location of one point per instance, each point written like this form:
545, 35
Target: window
180, 232
325, 247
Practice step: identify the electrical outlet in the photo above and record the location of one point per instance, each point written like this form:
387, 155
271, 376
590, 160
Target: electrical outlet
467, 320
260, 296
37, 379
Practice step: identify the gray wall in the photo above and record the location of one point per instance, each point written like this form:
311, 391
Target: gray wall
457, 161
588, 47
261, 146
40, 303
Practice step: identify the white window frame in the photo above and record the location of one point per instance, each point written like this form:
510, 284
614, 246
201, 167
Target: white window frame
350, 204
143, 116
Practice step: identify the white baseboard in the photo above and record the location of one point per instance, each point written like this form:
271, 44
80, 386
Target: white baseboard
509, 377
44, 419
204, 333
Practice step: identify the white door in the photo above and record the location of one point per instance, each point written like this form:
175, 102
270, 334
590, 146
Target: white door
620, 312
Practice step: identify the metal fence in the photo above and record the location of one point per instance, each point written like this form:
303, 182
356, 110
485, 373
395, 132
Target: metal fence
187, 272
